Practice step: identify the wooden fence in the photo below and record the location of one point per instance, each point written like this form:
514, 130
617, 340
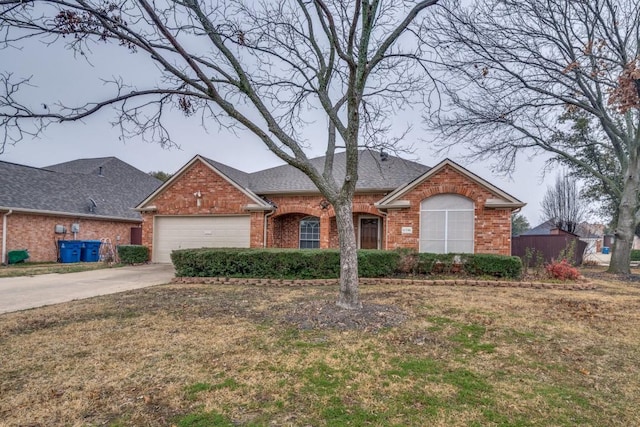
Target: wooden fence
549, 246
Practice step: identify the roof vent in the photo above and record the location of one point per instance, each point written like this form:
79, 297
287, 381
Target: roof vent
383, 155
100, 171
92, 205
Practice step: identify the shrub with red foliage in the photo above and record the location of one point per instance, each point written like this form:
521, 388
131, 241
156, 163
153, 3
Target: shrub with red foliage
562, 270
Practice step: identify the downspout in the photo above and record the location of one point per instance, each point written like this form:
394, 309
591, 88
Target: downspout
4, 235
266, 222
385, 215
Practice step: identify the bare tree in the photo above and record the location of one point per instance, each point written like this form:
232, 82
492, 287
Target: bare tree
516, 67
562, 204
260, 66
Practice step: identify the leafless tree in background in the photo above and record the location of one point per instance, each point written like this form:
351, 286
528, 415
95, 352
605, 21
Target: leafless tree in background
562, 204
514, 68
269, 67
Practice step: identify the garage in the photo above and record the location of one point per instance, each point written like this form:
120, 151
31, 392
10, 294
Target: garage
184, 232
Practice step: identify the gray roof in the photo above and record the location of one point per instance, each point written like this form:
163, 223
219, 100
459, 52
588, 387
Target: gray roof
240, 178
374, 174
545, 228
69, 187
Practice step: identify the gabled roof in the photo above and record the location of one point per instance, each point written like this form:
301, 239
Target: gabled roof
503, 200
75, 188
235, 177
374, 174
239, 177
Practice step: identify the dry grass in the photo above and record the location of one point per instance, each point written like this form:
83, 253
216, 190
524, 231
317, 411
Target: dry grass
220, 355
34, 269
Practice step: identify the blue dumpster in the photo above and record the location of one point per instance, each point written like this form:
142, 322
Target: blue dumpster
69, 250
90, 251
605, 250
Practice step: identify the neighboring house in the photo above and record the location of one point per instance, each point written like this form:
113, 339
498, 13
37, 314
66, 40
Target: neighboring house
93, 197
550, 241
398, 204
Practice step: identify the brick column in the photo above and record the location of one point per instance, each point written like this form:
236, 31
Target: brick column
325, 226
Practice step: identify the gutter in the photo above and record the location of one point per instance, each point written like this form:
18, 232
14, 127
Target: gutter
385, 215
4, 236
69, 214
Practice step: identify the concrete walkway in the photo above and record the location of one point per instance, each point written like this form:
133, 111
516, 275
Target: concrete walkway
599, 257
20, 293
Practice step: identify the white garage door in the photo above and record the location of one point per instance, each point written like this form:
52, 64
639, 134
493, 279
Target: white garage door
184, 232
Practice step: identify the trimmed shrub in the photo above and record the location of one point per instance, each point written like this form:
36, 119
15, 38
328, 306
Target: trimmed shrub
635, 255
494, 265
325, 263
133, 254
279, 263
264, 263
375, 263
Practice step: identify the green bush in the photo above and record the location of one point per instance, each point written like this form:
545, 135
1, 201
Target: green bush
325, 263
264, 263
133, 254
494, 265
374, 263
635, 255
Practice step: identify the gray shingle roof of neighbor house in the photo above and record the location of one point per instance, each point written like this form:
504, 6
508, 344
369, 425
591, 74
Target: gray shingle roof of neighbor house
540, 230
104, 187
375, 173
545, 228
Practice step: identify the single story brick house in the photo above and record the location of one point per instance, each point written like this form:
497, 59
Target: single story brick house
85, 199
398, 204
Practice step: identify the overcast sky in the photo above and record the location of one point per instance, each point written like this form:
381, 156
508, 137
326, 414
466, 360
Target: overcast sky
58, 76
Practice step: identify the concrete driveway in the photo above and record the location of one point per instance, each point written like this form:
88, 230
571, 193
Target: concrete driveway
20, 293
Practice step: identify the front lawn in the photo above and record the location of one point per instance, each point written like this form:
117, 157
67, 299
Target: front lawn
37, 268
220, 355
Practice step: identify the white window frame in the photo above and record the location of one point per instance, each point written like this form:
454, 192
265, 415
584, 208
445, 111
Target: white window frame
446, 220
300, 224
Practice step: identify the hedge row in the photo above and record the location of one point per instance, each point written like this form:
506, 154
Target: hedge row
325, 264
635, 255
133, 254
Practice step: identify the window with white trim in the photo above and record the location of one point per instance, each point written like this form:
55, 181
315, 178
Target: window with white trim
446, 224
310, 232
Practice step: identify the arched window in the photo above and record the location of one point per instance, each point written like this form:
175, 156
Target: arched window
446, 224
310, 232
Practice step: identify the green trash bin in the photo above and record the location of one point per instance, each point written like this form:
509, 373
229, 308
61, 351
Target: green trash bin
15, 257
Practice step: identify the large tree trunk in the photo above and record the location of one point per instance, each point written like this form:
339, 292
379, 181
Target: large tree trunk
349, 296
626, 221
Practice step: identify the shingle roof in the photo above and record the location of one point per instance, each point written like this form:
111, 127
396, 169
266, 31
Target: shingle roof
540, 230
241, 178
545, 228
69, 187
374, 174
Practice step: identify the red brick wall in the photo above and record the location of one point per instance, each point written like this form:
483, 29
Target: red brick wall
492, 229
218, 196
284, 225
37, 233
492, 226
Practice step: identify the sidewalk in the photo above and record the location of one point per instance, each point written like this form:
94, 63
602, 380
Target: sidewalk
600, 258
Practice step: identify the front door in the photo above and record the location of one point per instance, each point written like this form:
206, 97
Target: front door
369, 233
